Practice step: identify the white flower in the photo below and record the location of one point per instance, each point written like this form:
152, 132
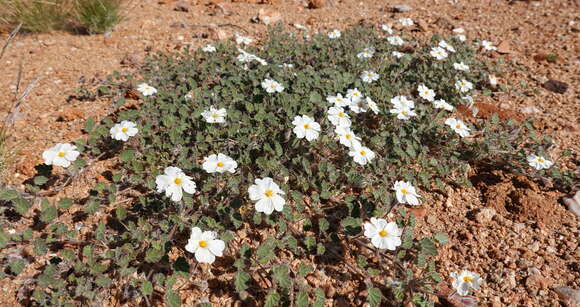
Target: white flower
286, 65
442, 104
395, 40
204, 245
338, 117
219, 163
189, 95
346, 137
306, 127
406, 22
214, 115
146, 89
465, 280
403, 113
338, 100
492, 80
426, 93
445, 45
266, 194
354, 95
209, 48
387, 28
60, 155
459, 30
402, 102
468, 99
487, 45
361, 154
406, 193
458, 126
174, 182
272, 86
358, 106
539, 162
383, 235
334, 34
246, 57
243, 39
369, 76
123, 130
439, 53
463, 86
372, 105
461, 37
366, 53
397, 54
460, 66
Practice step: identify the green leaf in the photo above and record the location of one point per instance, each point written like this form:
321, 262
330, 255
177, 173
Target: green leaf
127, 155
428, 247
374, 297
89, 125
272, 299
48, 214
21, 206
305, 269
320, 298
146, 287
17, 266
281, 276
241, 281
441, 237
8, 195
65, 203
40, 180
4, 239
172, 299
302, 299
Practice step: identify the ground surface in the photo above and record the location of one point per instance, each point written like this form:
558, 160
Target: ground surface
516, 234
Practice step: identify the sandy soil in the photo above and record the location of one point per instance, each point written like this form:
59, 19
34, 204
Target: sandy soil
516, 234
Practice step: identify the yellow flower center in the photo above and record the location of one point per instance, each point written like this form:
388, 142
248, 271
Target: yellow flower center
362, 152
61, 154
124, 129
339, 99
202, 243
405, 112
220, 164
458, 126
348, 136
272, 85
341, 114
404, 191
383, 233
177, 181
214, 115
467, 278
541, 160
269, 193
306, 126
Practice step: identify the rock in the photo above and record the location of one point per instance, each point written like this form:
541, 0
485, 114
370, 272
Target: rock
182, 6
217, 33
485, 215
421, 25
573, 203
269, 16
504, 47
556, 86
530, 110
537, 281
571, 297
419, 212
400, 8
316, 4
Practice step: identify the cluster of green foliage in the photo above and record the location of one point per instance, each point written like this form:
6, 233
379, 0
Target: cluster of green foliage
329, 197
38, 16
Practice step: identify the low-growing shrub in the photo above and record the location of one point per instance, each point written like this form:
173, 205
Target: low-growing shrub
140, 244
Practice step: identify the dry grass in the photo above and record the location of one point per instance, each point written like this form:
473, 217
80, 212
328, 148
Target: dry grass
37, 16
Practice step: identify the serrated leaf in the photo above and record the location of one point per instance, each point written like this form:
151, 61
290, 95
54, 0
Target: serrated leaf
8, 195
241, 281
281, 276
302, 299
374, 297
17, 266
146, 287
272, 299
172, 299
320, 298
127, 155
40, 180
